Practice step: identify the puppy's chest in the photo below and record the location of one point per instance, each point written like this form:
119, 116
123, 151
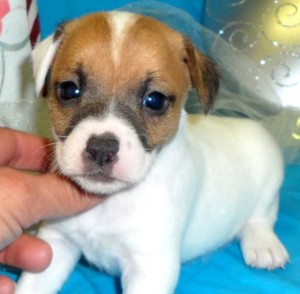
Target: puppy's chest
106, 233
99, 238
103, 250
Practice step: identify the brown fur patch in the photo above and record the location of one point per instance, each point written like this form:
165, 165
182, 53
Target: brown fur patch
85, 43
204, 75
149, 48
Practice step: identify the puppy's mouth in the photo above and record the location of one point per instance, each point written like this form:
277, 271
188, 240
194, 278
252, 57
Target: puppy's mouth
96, 176
99, 182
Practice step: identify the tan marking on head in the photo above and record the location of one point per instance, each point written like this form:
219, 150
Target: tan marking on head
144, 47
85, 42
151, 47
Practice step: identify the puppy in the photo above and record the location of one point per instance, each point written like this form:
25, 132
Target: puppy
176, 186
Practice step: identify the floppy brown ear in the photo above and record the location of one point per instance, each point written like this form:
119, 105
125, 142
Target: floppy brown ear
204, 75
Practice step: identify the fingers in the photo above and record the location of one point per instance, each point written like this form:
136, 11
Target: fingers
6, 285
59, 197
28, 253
23, 151
39, 197
31, 198
28, 199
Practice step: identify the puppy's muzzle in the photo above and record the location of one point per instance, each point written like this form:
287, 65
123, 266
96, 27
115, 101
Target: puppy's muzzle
102, 149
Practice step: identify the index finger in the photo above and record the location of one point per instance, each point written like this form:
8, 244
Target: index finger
31, 198
22, 150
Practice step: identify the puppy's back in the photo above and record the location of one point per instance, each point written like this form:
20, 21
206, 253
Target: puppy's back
239, 168
243, 140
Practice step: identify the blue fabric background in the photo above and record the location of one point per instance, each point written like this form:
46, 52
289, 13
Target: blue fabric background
52, 12
224, 270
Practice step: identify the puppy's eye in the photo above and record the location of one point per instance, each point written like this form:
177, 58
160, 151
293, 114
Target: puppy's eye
68, 90
156, 101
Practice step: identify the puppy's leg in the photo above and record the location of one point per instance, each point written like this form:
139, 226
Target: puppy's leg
260, 246
150, 274
65, 256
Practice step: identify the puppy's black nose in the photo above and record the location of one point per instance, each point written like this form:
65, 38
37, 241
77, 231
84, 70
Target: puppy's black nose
102, 149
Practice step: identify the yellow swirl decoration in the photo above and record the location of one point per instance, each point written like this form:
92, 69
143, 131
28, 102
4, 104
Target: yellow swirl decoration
287, 15
281, 23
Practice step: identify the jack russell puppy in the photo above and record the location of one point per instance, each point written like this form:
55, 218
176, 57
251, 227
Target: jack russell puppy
177, 186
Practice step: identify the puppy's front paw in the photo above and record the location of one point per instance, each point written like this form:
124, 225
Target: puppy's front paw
262, 248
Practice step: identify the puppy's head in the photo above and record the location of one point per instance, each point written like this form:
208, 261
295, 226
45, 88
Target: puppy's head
116, 86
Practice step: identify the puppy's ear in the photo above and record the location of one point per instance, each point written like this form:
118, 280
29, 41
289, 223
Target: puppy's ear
43, 55
204, 75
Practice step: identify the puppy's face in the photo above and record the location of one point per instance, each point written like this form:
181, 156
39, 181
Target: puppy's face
117, 83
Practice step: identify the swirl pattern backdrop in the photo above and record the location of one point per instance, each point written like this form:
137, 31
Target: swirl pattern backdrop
269, 33
265, 35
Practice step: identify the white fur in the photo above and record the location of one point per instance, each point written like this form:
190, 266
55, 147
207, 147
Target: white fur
218, 179
132, 163
43, 56
120, 22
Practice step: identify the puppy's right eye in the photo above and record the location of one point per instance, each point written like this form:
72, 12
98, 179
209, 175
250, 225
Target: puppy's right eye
67, 91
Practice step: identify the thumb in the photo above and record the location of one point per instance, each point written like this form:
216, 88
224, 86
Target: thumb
59, 197
27, 199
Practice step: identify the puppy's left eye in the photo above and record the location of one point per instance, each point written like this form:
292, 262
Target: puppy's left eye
67, 91
156, 101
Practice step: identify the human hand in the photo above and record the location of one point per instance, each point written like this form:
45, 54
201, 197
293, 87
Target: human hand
26, 199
